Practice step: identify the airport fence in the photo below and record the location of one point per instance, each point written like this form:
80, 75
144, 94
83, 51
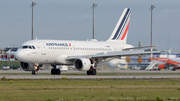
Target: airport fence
11, 64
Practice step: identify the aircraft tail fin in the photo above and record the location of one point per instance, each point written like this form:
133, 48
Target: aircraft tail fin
120, 32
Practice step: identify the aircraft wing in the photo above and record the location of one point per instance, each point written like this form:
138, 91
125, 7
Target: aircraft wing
122, 53
113, 54
139, 47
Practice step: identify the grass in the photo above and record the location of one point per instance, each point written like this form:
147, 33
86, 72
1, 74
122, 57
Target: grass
90, 90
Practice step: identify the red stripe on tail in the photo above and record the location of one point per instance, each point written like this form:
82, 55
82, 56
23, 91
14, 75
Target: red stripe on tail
125, 32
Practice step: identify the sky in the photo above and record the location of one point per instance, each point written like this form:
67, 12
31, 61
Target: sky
72, 20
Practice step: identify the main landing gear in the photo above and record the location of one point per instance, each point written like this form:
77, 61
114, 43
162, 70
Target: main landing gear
92, 71
55, 71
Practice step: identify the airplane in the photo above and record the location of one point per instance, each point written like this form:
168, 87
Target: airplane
164, 63
84, 55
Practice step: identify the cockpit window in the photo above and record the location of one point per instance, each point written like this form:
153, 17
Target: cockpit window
24, 47
33, 47
28, 47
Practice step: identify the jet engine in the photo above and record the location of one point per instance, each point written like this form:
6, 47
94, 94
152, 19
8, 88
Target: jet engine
27, 66
162, 66
83, 64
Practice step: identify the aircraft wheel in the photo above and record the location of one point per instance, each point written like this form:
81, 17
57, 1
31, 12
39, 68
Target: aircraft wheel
34, 72
173, 69
88, 72
93, 72
53, 71
58, 71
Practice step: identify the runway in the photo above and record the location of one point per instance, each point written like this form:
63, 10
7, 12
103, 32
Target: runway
148, 75
88, 77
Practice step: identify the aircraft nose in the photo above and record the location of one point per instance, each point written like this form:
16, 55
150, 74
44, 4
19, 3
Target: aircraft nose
19, 55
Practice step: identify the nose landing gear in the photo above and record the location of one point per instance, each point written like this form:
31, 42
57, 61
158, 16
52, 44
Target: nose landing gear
35, 71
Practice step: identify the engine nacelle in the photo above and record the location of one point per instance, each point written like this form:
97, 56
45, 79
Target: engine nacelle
162, 66
82, 64
27, 66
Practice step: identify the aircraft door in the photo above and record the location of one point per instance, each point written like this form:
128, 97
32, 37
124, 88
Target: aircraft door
43, 48
74, 49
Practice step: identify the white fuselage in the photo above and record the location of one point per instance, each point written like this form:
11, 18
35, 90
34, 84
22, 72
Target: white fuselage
84, 55
57, 51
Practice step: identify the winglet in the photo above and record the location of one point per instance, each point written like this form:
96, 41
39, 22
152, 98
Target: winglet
169, 51
11, 52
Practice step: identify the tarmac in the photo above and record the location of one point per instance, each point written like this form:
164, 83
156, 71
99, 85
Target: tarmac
148, 75
98, 71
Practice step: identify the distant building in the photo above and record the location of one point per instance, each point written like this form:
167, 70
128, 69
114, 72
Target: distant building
4, 56
12, 49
